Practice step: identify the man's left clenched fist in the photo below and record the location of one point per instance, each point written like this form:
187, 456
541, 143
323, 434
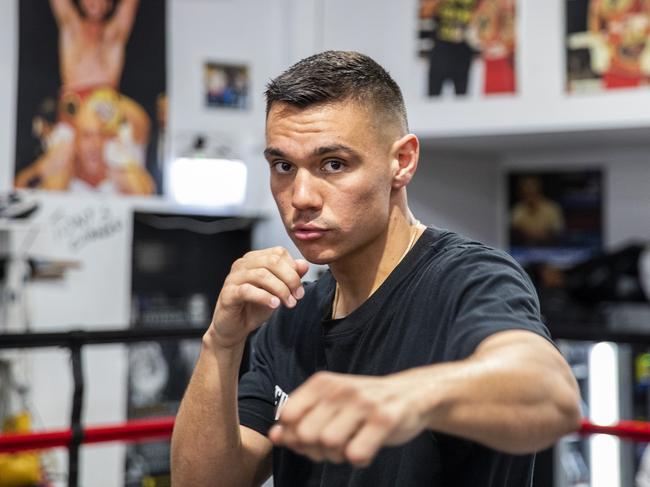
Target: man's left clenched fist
347, 418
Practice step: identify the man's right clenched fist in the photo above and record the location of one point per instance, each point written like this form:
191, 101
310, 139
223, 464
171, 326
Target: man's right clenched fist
257, 284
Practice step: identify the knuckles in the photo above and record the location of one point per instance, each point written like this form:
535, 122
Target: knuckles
322, 378
331, 441
261, 274
260, 259
384, 418
305, 436
359, 460
237, 264
279, 251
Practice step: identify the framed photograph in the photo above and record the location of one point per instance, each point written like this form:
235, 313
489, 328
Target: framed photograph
469, 45
555, 216
607, 45
226, 85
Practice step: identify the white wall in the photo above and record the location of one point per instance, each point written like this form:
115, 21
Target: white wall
459, 193
463, 193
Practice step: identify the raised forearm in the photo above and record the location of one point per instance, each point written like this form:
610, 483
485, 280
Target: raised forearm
593, 16
125, 17
63, 10
506, 397
206, 443
209, 447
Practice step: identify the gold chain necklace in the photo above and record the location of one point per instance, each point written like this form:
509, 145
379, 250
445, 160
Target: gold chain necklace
414, 234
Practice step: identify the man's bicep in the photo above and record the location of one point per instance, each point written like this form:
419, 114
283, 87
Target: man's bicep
519, 348
535, 355
517, 340
258, 451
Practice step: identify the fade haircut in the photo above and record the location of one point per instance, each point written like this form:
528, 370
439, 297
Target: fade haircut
335, 76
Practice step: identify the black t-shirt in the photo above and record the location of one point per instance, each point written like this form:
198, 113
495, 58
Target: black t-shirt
438, 304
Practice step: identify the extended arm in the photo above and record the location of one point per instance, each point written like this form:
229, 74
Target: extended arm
515, 394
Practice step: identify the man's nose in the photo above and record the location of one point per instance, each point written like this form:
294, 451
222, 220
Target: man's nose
306, 191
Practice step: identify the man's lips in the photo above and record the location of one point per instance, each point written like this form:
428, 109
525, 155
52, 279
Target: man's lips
308, 232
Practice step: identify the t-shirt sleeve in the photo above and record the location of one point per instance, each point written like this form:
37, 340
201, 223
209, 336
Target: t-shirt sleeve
255, 396
490, 293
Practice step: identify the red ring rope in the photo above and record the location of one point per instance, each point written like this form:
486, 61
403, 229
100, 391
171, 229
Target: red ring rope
629, 430
161, 428
145, 429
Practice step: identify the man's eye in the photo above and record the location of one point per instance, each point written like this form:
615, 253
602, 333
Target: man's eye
282, 167
333, 166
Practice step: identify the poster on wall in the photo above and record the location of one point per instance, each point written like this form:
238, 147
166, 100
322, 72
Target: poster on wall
555, 217
91, 108
469, 46
607, 44
225, 85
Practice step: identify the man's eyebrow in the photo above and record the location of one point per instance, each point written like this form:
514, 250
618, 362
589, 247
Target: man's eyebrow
334, 148
319, 151
273, 151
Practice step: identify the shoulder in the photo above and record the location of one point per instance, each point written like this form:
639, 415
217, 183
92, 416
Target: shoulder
450, 248
481, 290
459, 262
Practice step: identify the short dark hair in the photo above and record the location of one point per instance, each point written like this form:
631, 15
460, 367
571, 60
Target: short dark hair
333, 76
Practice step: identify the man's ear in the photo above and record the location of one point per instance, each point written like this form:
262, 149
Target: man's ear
404, 153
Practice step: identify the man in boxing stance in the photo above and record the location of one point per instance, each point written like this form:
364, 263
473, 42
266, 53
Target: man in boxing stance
418, 359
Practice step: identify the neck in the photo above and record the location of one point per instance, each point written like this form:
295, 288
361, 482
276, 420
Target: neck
93, 178
360, 274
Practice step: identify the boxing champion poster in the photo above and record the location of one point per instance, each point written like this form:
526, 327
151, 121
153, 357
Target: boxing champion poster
469, 46
91, 108
607, 44
555, 216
